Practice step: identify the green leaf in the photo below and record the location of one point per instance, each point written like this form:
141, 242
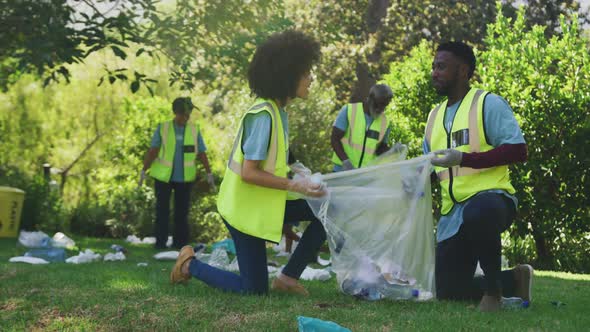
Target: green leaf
119, 52
134, 86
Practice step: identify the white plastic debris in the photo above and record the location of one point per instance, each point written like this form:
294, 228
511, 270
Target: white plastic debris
133, 239
233, 266
324, 262
34, 239
142, 264
219, 259
281, 247
86, 256
315, 274
119, 256
149, 240
29, 260
272, 270
146, 240
166, 255
60, 240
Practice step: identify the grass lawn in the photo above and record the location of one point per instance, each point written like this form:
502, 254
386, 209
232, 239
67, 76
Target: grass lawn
120, 296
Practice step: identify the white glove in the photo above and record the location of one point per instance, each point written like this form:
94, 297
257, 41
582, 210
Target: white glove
306, 187
448, 158
211, 182
299, 168
141, 178
347, 165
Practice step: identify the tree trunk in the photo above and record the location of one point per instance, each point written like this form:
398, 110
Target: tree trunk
376, 11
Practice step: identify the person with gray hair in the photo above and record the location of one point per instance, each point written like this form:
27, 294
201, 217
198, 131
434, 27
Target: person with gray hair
361, 130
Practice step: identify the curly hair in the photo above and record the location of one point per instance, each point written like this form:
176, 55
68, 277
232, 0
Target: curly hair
280, 62
462, 51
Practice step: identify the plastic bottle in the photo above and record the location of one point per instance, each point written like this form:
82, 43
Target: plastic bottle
48, 254
396, 291
361, 290
514, 303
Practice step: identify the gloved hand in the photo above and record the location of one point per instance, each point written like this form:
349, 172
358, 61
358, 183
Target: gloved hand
141, 178
347, 165
299, 168
306, 187
211, 182
448, 158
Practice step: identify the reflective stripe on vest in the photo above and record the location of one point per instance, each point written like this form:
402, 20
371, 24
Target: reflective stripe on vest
460, 183
162, 167
255, 210
355, 141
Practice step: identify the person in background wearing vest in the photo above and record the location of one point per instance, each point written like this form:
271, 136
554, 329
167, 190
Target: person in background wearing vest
361, 131
474, 137
171, 161
253, 195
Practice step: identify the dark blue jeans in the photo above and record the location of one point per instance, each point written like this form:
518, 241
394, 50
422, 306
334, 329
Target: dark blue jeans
485, 217
182, 194
251, 253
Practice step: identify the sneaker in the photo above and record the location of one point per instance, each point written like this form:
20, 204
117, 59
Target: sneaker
176, 275
523, 276
281, 286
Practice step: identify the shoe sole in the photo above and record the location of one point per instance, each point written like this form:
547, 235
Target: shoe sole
178, 267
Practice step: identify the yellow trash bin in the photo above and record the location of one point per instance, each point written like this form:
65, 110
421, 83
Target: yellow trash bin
11, 205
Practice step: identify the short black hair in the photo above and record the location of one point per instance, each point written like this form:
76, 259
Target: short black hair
182, 105
462, 51
280, 62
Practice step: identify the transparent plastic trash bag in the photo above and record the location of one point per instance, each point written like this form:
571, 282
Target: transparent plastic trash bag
379, 225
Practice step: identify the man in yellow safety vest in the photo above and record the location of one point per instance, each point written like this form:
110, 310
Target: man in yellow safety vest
474, 136
361, 130
171, 161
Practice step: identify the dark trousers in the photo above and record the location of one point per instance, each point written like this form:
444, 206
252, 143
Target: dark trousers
485, 217
251, 253
182, 191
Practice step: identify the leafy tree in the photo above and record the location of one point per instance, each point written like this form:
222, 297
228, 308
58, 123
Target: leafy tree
44, 36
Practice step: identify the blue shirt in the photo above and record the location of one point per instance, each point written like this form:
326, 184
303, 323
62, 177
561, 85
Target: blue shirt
341, 123
501, 128
256, 136
178, 165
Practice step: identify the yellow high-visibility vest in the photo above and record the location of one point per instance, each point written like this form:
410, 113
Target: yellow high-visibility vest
251, 209
359, 142
161, 168
467, 134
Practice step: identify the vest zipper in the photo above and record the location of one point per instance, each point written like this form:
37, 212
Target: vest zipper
363, 153
449, 131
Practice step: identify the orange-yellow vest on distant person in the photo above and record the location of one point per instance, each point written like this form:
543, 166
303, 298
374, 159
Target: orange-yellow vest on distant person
358, 146
161, 168
252, 209
467, 134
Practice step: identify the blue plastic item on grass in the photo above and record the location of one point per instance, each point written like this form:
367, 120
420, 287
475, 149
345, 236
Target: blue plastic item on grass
48, 254
309, 324
227, 245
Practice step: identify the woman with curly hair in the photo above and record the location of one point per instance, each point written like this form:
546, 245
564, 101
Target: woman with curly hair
253, 195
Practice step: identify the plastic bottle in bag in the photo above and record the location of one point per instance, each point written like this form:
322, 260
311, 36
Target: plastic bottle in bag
360, 290
514, 303
396, 291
